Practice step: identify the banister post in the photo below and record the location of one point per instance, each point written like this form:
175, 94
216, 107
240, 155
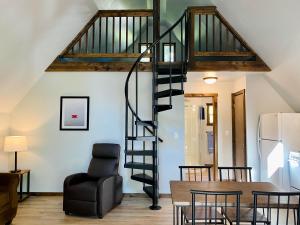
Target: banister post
156, 23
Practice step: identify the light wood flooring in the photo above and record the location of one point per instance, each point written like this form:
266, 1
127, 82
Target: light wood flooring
133, 211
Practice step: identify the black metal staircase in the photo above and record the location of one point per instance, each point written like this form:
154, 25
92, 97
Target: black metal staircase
142, 141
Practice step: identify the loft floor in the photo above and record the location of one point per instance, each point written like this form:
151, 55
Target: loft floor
133, 211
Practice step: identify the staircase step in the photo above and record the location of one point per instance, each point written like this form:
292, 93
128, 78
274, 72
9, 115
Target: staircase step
146, 123
140, 153
174, 79
168, 93
160, 108
165, 69
143, 178
149, 191
139, 166
142, 138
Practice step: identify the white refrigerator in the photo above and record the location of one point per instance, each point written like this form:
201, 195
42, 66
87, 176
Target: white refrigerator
278, 135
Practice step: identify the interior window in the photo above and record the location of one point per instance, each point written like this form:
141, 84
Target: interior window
169, 52
210, 114
143, 47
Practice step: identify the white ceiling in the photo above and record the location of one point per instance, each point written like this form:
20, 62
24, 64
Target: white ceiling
34, 32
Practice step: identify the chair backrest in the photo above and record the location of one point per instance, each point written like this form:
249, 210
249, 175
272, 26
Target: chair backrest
280, 207
237, 174
105, 161
212, 202
195, 173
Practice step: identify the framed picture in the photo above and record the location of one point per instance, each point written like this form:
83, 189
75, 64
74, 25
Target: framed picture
74, 113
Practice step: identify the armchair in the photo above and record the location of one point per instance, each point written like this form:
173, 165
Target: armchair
8, 197
100, 189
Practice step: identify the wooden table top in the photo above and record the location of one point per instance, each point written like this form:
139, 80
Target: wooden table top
181, 196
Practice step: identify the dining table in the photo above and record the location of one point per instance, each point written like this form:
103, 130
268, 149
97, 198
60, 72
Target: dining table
181, 194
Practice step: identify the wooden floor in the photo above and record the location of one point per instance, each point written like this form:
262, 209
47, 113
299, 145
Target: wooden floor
133, 211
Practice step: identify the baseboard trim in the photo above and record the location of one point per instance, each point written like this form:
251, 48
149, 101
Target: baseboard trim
46, 194
136, 195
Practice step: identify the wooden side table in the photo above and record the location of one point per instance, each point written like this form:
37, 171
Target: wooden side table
23, 195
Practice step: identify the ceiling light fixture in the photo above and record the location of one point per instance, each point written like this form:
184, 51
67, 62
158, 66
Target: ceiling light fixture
210, 79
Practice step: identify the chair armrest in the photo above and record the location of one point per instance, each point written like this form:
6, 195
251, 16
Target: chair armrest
75, 179
9, 183
107, 189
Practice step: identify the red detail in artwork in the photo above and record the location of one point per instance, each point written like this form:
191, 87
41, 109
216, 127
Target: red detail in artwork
75, 116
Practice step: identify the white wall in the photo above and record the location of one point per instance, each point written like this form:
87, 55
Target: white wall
224, 89
260, 98
54, 154
4, 130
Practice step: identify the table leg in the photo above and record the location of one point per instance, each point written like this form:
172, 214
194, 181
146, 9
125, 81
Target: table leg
28, 183
178, 220
174, 215
181, 214
177, 215
21, 187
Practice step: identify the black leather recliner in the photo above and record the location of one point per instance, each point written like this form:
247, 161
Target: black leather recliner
100, 189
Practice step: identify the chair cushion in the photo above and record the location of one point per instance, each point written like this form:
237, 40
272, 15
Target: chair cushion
103, 168
4, 199
246, 215
85, 191
200, 213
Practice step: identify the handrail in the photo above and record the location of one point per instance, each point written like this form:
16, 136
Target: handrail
142, 56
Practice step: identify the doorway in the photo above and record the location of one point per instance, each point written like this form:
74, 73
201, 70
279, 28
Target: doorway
201, 145
239, 143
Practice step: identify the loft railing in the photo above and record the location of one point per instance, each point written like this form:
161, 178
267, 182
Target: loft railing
212, 38
113, 34
122, 35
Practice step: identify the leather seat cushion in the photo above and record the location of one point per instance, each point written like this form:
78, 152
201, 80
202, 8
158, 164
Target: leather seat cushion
85, 191
4, 199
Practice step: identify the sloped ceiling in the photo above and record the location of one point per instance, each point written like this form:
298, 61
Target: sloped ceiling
34, 32
271, 28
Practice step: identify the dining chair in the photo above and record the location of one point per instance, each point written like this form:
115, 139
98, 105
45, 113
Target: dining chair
281, 207
237, 174
215, 200
195, 173
198, 174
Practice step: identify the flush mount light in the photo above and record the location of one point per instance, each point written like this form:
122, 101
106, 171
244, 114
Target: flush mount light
210, 79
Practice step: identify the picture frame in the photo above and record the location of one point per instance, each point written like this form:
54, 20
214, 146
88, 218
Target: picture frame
74, 113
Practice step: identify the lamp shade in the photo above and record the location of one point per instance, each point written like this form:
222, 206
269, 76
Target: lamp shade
15, 144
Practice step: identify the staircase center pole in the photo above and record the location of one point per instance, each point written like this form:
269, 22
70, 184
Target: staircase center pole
156, 36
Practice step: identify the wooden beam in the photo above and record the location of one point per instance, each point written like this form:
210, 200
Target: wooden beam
202, 9
58, 66
105, 55
126, 13
196, 95
228, 53
250, 66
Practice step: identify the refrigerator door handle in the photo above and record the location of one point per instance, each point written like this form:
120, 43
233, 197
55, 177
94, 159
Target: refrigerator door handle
259, 139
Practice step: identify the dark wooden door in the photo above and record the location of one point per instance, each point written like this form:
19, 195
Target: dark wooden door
239, 129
